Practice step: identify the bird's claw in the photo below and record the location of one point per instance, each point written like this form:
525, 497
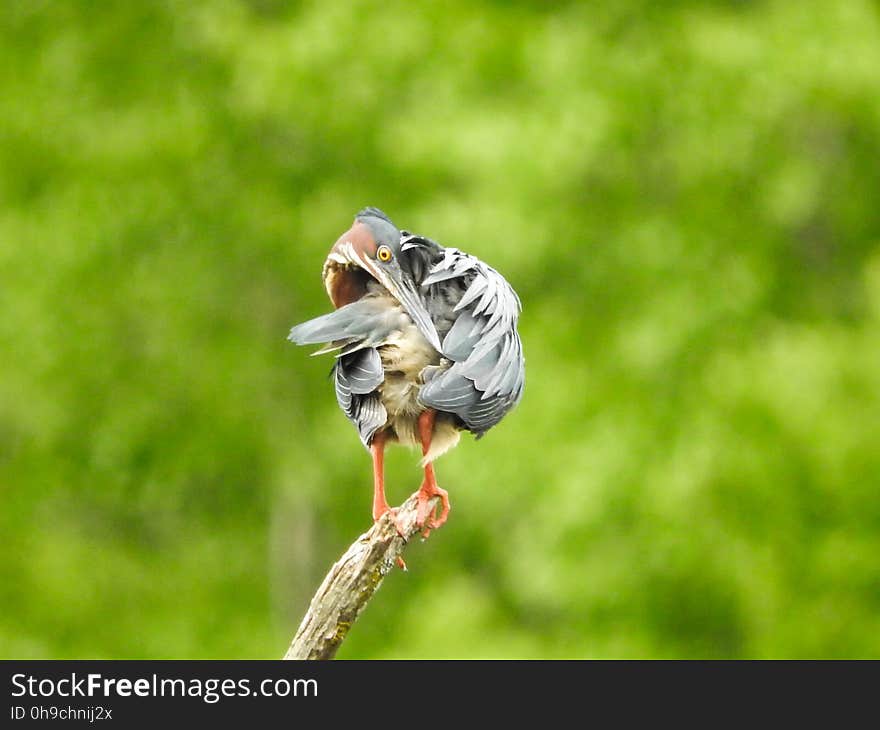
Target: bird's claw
426, 514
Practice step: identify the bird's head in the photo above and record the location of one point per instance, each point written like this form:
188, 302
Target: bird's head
371, 249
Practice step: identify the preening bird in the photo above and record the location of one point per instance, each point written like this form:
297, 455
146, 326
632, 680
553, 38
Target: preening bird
426, 345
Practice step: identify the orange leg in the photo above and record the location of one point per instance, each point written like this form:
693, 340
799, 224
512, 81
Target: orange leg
377, 449
429, 488
380, 504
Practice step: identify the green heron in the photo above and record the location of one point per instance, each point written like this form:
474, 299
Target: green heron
426, 346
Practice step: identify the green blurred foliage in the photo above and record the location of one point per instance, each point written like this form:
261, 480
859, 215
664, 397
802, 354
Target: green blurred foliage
684, 194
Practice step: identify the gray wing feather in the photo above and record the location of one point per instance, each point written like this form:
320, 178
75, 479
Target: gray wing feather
343, 389
462, 337
476, 289
364, 371
453, 265
354, 331
370, 418
356, 378
487, 374
363, 323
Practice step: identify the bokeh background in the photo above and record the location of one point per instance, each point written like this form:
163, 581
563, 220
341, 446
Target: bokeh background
686, 195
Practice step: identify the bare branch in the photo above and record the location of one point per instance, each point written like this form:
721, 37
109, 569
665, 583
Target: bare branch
351, 583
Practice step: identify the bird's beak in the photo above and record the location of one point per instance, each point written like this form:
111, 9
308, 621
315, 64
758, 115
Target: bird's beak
405, 293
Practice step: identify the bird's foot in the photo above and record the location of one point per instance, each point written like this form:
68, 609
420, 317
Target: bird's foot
392, 515
426, 515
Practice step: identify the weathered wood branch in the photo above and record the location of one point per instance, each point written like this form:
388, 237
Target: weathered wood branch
350, 585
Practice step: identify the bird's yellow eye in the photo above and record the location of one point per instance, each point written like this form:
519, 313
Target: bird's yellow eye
383, 254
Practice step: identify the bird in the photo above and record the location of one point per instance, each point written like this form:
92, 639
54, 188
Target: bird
426, 346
